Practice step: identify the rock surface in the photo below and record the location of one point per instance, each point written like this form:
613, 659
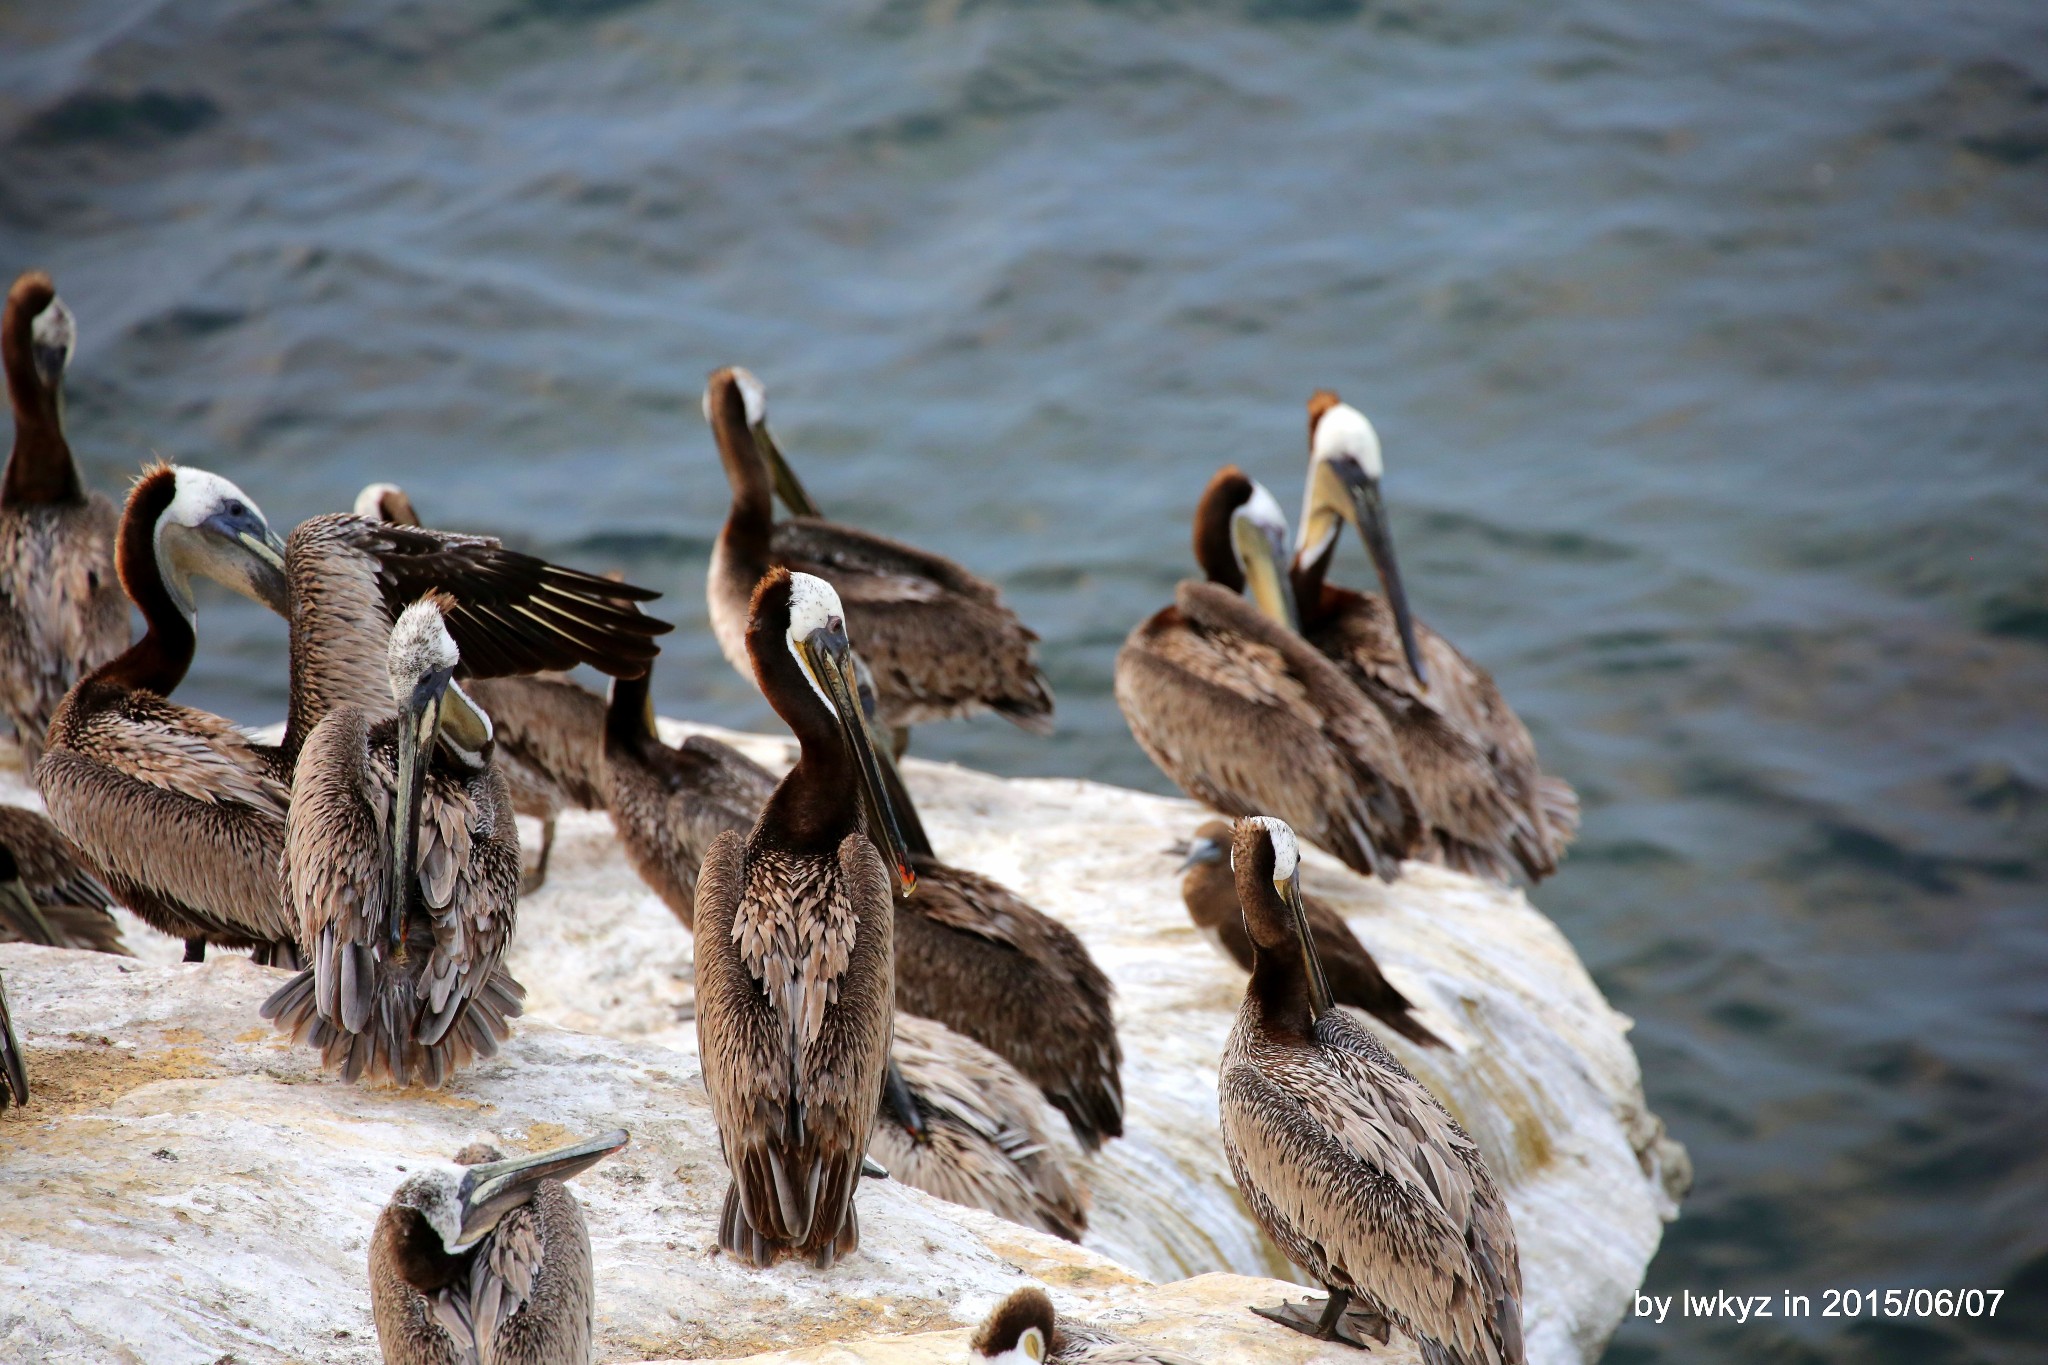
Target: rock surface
184, 1187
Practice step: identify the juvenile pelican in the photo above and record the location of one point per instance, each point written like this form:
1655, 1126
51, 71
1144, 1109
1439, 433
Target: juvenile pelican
402, 865
1210, 892
62, 903
794, 966
1024, 1330
964, 1126
939, 640
1490, 808
181, 813
1352, 1168
1243, 714
61, 610
487, 1261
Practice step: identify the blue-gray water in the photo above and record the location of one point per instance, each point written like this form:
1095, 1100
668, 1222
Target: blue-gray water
1709, 344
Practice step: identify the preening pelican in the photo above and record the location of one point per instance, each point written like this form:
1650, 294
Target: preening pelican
794, 969
62, 902
487, 1262
1244, 714
1490, 808
939, 640
1352, 1168
1024, 1330
1209, 890
402, 866
62, 614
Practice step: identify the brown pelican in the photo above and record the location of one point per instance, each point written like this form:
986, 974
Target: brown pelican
181, 813
487, 1262
13, 1069
1490, 808
1353, 1169
964, 1126
1024, 1330
61, 610
794, 970
1244, 714
548, 725
402, 866
1210, 893
62, 903
939, 640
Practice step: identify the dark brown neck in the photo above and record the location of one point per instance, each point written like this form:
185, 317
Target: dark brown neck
1281, 987
421, 1260
40, 470
1227, 492
158, 661
750, 524
625, 715
818, 803
1308, 574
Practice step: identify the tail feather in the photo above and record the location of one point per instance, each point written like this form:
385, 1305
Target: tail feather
384, 1046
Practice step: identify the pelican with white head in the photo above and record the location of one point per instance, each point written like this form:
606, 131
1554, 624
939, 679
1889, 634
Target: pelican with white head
1344, 469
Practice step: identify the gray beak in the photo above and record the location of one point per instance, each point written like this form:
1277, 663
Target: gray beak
831, 660
1319, 998
492, 1190
1369, 514
787, 486
1199, 851
419, 727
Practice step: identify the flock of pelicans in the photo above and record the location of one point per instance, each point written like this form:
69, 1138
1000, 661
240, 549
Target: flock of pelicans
860, 1004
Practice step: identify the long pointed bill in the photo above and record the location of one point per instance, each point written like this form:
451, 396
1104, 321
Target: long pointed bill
418, 730
494, 1189
267, 581
1370, 516
830, 659
787, 486
1263, 553
909, 824
1319, 998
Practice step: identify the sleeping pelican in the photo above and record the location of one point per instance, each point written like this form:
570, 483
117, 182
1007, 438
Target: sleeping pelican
61, 610
794, 932
1243, 714
1024, 1330
487, 1262
1353, 1169
1498, 812
181, 813
939, 640
402, 866
62, 903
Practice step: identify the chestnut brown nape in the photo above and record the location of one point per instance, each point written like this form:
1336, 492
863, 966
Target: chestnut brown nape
1230, 489
477, 1153
1024, 1309
1266, 918
1320, 402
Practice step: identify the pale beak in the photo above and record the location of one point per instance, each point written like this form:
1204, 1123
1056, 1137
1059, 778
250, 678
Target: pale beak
1369, 515
1262, 552
494, 1189
787, 486
419, 727
1320, 1001
1200, 851
830, 660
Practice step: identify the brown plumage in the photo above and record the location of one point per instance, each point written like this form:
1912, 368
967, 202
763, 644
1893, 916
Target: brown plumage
1244, 714
1209, 890
1023, 1330
61, 610
13, 1066
488, 1265
1489, 807
64, 904
181, 813
402, 867
1353, 1169
980, 1141
794, 955
938, 639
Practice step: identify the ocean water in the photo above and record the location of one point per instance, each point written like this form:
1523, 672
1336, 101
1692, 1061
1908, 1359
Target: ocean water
1708, 342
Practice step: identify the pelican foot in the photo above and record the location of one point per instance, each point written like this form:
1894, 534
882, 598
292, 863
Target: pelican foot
1351, 1323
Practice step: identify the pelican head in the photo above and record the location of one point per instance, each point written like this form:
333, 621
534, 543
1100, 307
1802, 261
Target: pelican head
1019, 1331
1266, 860
1241, 542
386, 502
463, 1204
40, 331
1211, 844
813, 630
754, 402
1344, 468
52, 337
214, 529
432, 710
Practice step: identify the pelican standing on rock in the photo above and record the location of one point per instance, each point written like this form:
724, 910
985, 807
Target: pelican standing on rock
62, 903
939, 641
487, 1262
402, 865
61, 610
1244, 714
1024, 1330
1490, 808
794, 950
1353, 1169
1209, 890
181, 813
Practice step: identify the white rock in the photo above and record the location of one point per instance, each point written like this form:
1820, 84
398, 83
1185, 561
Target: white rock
184, 1186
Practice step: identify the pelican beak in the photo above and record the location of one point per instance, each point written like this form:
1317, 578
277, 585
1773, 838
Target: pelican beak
902, 1105
241, 552
787, 486
1262, 551
419, 727
830, 659
492, 1190
1199, 851
1363, 508
1319, 998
